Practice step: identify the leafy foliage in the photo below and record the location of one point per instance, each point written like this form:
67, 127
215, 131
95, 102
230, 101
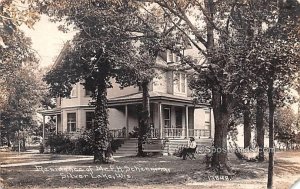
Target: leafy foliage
12, 15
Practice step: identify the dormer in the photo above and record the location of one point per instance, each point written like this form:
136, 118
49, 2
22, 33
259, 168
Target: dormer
172, 57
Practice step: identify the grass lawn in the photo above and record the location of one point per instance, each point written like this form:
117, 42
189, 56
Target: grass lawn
154, 172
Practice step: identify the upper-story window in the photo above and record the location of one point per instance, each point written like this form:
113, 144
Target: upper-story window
88, 92
74, 91
180, 82
71, 122
172, 57
58, 101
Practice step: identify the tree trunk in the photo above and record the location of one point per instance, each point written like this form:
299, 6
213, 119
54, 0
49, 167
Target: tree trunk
24, 143
271, 135
1, 141
101, 131
247, 128
260, 131
221, 117
8, 139
219, 101
144, 118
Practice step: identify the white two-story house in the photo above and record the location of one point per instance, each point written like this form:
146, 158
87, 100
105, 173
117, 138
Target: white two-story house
173, 112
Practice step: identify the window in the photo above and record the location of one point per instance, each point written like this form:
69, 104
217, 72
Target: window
180, 82
170, 56
89, 116
177, 58
58, 101
167, 117
178, 113
177, 81
74, 91
71, 122
88, 92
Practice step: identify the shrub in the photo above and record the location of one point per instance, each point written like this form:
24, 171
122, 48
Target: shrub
82, 146
116, 143
62, 144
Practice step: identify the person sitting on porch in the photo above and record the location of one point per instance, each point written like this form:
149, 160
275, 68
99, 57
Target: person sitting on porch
191, 147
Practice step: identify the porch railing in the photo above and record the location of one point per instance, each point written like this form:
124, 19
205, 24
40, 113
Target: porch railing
167, 133
173, 132
154, 133
118, 133
181, 133
199, 133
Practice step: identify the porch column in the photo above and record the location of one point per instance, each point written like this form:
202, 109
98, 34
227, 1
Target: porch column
187, 121
160, 121
56, 125
43, 129
126, 120
211, 123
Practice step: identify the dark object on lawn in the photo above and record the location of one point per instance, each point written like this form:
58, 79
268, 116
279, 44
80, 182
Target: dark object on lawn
42, 149
191, 153
186, 152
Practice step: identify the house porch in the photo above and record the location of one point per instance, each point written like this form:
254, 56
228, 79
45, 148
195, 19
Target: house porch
173, 118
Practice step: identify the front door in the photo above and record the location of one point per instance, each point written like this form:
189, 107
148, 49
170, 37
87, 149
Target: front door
178, 114
167, 118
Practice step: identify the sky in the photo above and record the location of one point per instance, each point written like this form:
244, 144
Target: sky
47, 40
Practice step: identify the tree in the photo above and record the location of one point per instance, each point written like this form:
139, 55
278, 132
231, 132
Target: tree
210, 22
14, 46
285, 125
22, 101
101, 48
13, 14
281, 59
273, 58
158, 37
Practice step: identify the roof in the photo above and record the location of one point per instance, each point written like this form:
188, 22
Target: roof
61, 54
155, 97
50, 112
136, 98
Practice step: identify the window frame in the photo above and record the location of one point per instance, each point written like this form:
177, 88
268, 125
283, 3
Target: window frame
180, 83
89, 121
70, 122
87, 93
74, 92
165, 119
172, 57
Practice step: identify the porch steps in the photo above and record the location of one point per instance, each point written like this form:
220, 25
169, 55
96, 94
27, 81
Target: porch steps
129, 148
173, 145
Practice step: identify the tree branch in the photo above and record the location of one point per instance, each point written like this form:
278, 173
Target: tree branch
186, 19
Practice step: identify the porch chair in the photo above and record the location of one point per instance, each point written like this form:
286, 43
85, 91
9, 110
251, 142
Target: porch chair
191, 153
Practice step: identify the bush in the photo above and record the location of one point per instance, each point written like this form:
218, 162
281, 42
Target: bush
82, 147
116, 143
62, 144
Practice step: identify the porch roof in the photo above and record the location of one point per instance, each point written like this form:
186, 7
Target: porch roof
155, 97
50, 112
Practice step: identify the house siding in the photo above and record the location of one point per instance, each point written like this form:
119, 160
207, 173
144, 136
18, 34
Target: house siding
160, 83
